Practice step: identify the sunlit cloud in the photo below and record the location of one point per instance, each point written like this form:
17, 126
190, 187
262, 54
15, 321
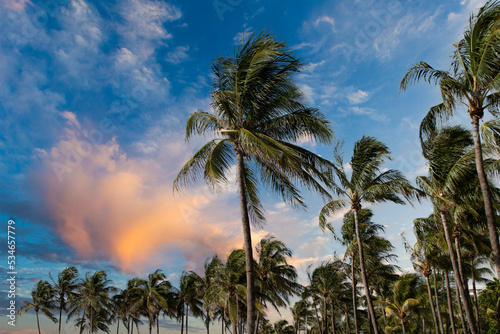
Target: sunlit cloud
106, 205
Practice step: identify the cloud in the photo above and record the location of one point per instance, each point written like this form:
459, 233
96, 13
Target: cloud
178, 55
242, 36
358, 97
326, 19
106, 205
15, 4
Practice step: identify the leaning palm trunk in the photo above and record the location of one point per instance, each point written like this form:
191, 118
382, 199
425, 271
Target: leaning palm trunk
450, 304
429, 292
438, 311
485, 189
317, 318
460, 308
465, 297
247, 242
371, 311
348, 327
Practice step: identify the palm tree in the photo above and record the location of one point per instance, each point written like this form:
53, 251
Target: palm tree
367, 184
153, 295
421, 254
473, 81
451, 185
228, 289
190, 296
300, 311
403, 300
257, 115
92, 302
277, 280
42, 300
63, 288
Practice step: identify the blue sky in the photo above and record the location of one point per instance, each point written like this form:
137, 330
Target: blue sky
93, 102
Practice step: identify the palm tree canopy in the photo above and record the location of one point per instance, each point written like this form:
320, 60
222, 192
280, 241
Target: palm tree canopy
368, 181
258, 113
42, 297
474, 76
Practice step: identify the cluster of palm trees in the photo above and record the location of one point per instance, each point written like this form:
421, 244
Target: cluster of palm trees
258, 119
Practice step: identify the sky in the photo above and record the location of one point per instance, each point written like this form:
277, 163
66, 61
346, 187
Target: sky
94, 98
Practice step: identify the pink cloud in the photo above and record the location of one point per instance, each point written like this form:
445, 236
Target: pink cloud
15, 4
105, 204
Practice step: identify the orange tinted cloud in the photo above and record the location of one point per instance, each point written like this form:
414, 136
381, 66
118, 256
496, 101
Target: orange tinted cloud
106, 205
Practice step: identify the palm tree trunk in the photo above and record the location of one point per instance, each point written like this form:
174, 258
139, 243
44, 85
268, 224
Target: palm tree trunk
450, 304
403, 326
460, 309
118, 326
354, 299
38, 323
257, 323
485, 189
187, 318
158, 324
476, 306
60, 313
317, 318
182, 320
438, 309
433, 310
423, 325
247, 241
348, 327
466, 298
461, 264
150, 328
369, 303
325, 316
333, 318
208, 322
83, 322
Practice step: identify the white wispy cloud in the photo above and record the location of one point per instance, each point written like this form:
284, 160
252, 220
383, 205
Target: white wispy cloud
358, 97
179, 55
325, 19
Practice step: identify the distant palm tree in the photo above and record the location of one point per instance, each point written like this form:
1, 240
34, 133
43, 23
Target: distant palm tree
42, 298
153, 296
190, 297
258, 116
228, 289
63, 288
368, 183
92, 303
473, 82
277, 280
403, 302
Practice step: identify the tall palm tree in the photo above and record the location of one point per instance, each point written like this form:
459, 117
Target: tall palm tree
63, 288
368, 183
257, 118
42, 297
92, 303
473, 82
451, 185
